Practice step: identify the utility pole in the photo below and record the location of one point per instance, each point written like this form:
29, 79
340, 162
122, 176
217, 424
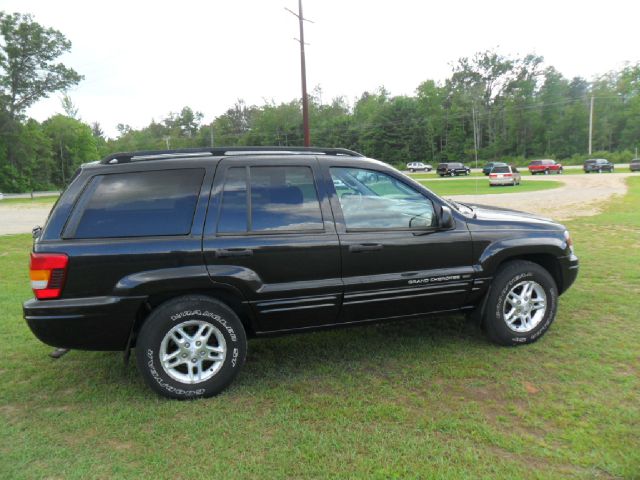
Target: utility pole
590, 125
475, 135
303, 74
212, 134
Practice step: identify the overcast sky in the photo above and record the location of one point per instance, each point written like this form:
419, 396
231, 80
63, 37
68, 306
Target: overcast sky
144, 59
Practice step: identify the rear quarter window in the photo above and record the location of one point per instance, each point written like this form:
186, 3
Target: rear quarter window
137, 204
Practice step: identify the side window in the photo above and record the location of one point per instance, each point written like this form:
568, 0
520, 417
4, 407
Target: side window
375, 200
233, 212
139, 204
281, 199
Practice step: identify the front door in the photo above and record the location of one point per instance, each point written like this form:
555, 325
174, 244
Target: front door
395, 260
270, 234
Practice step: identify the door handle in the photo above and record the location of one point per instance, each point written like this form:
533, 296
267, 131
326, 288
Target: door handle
365, 247
233, 252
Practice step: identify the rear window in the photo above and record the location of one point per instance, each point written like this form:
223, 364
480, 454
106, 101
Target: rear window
500, 170
137, 204
280, 199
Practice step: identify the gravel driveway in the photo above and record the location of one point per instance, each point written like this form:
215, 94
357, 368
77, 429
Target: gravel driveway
581, 195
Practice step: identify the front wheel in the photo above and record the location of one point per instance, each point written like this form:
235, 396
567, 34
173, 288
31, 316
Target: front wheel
521, 305
191, 347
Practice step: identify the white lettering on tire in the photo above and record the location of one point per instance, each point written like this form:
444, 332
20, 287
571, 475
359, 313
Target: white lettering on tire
206, 313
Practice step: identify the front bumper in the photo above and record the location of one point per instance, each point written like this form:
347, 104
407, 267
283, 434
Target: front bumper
92, 323
570, 266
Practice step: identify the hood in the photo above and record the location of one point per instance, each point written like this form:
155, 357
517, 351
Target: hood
497, 217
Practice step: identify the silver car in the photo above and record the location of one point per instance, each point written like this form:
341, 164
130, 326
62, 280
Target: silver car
415, 166
504, 175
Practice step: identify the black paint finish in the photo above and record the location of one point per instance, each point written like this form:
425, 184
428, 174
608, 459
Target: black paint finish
282, 281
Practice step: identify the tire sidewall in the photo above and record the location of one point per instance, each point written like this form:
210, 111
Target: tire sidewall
163, 319
494, 321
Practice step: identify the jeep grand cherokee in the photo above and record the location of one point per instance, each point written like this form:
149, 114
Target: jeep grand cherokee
183, 254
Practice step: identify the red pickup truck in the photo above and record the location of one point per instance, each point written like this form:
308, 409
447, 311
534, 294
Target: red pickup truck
545, 167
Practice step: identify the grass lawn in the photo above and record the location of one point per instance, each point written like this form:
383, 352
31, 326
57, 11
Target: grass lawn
29, 201
414, 399
481, 186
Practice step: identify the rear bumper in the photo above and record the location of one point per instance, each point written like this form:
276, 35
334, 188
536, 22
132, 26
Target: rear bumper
570, 266
501, 181
92, 323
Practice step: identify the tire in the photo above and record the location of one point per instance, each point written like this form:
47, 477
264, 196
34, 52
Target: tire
546, 172
219, 328
412, 170
512, 278
467, 172
452, 173
599, 170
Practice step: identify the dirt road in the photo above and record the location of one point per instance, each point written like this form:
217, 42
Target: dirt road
581, 195
21, 218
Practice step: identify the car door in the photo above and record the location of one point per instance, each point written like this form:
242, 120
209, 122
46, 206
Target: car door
270, 234
396, 261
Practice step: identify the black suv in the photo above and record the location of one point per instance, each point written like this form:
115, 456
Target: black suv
184, 254
451, 169
598, 165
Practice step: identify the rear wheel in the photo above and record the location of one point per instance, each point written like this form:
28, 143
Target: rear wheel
190, 347
521, 305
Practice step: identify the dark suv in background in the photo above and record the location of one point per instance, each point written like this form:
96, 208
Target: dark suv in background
452, 168
597, 165
184, 254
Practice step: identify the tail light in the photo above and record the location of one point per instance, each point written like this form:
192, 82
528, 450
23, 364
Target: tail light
47, 272
507, 174
492, 175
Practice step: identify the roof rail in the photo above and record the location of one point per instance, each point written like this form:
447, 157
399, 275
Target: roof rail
127, 157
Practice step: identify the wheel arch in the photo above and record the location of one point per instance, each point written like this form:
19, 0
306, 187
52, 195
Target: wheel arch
231, 298
546, 260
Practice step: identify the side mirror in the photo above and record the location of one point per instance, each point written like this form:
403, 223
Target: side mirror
446, 218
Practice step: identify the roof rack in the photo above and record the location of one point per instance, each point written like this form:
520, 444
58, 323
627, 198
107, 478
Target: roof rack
127, 157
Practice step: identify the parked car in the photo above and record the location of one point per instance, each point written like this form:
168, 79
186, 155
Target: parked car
417, 166
507, 175
451, 169
545, 167
634, 166
597, 165
184, 254
489, 166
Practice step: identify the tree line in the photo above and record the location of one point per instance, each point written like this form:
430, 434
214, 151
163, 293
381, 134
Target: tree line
491, 107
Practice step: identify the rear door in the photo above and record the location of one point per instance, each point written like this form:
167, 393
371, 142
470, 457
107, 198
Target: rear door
395, 261
270, 233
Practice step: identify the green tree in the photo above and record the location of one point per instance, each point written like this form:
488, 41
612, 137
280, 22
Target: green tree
28, 71
72, 144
